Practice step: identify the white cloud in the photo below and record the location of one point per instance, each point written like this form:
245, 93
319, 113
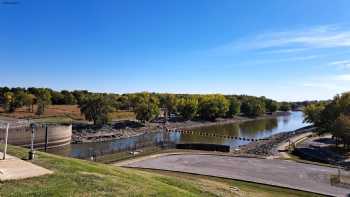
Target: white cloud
327, 36
315, 37
342, 64
284, 51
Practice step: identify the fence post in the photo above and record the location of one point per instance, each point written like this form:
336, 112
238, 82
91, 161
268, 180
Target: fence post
46, 137
32, 151
6, 137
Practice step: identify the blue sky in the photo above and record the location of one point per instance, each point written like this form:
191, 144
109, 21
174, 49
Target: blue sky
282, 49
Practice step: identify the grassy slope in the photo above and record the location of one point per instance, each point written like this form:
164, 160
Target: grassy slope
73, 177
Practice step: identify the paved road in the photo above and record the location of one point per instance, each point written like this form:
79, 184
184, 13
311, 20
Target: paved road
283, 173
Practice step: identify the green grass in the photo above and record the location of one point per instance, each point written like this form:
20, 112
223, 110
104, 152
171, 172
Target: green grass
54, 120
115, 157
73, 177
123, 115
246, 188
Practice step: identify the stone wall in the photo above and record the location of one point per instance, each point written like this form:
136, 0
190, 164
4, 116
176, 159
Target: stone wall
58, 135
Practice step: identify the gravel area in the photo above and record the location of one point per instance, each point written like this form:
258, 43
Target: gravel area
123, 129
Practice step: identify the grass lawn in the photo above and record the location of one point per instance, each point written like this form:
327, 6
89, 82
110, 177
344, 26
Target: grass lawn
73, 177
115, 157
54, 120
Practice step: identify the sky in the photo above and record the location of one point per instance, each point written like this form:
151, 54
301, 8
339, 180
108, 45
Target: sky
282, 49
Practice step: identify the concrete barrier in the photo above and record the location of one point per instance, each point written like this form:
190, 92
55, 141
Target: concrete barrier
207, 147
58, 135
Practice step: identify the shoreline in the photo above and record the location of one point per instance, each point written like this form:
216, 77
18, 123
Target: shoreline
220, 121
269, 147
108, 133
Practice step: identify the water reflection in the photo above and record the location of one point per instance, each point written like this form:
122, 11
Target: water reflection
250, 129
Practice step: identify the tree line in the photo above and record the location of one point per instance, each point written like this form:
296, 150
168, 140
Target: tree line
331, 117
147, 106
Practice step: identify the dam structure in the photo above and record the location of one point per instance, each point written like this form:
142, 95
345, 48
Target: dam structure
20, 133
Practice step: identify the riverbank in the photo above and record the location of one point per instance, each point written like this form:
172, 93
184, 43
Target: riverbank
270, 146
83, 133
187, 125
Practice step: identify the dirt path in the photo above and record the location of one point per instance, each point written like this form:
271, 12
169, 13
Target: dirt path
276, 172
14, 168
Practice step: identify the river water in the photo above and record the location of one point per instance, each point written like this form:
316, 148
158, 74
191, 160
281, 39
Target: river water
255, 129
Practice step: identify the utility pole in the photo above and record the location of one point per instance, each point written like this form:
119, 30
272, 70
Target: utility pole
6, 137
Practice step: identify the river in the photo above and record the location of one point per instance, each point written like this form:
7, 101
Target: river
255, 129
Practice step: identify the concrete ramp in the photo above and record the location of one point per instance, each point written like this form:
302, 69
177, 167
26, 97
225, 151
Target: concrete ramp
14, 168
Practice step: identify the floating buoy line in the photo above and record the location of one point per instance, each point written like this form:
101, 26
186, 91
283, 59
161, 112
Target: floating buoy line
213, 135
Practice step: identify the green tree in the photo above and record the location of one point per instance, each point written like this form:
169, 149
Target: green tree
68, 98
28, 101
16, 99
137, 99
123, 102
9, 99
24, 99
213, 106
169, 102
332, 118
80, 95
344, 103
312, 113
43, 97
342, 129
96, 108
253, 107
57, 98
271, 105
146, 107
188, 107
285, 106
234, 107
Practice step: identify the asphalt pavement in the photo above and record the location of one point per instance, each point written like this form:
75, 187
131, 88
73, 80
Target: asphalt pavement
284, 173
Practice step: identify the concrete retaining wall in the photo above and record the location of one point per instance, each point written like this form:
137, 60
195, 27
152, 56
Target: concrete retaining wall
207, 147
58, 135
